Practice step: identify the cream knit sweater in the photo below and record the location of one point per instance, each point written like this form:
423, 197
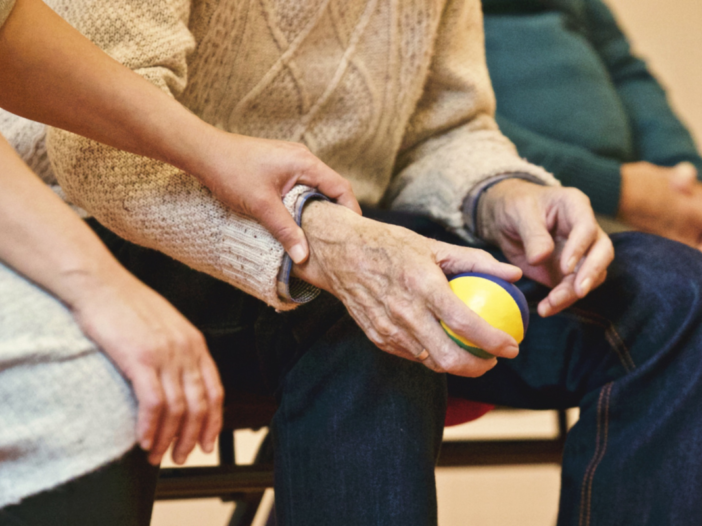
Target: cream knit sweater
393, 94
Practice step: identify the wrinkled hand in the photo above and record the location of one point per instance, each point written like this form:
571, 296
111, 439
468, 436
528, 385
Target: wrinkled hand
250, 176
551, 234
175, 380
663, 201
393, 283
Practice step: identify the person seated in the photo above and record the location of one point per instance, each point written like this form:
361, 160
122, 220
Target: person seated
574, 98
396, 97
82, 341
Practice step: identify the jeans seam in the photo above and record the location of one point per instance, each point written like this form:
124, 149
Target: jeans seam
611, 335
600, 450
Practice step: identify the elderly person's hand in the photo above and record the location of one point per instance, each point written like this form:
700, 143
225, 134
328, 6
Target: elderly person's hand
551, 234
663, 201
393, 282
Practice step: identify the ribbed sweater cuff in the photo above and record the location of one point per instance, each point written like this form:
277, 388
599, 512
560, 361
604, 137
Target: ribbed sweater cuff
600, 179
252, 259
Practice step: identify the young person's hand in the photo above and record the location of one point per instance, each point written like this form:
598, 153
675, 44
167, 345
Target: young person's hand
165, 358
251, 176
663, 201
550, 232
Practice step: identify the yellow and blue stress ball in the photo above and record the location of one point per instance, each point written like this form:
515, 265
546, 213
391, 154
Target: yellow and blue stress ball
498, 302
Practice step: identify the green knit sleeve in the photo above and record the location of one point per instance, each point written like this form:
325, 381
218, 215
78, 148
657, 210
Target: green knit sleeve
5, 9
659, 135
598, 177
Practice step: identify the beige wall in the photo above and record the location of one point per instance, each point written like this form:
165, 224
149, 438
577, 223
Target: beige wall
669, 34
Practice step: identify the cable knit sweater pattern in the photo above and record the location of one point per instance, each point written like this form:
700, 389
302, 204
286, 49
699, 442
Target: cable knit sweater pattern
393, 94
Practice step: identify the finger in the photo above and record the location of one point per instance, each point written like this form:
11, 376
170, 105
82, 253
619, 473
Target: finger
454, 260
684, 177
171, 418
332, 185
446, 356
582, 236
278, 221
215, 396
197, 406
536, 239
561, 297
595, 265
464, 322
150, 397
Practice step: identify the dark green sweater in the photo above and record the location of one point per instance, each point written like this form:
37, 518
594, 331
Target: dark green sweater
574, 99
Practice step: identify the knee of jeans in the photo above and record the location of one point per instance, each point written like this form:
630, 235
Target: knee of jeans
345, 373
657, 279
655, 265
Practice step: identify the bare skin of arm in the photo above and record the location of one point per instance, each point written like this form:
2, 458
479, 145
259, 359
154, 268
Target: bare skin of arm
164, 357
52, 74
663, 201
393, 282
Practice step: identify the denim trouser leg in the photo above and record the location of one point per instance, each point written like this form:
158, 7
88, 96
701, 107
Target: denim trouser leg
630, 355
357, 435
358, 430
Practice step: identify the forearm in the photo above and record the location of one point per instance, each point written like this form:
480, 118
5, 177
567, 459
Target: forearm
43, 239
52, 74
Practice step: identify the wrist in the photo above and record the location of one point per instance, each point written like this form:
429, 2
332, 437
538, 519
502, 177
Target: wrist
331, 230
80, 285
492, 204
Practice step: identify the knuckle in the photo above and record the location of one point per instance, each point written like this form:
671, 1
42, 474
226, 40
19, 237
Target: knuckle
217, 396
447, 362
176, 408
199, 409
385, 328
153, 403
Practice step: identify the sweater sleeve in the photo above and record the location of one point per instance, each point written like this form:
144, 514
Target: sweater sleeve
598, 177
452, 142
145, 201
659, 135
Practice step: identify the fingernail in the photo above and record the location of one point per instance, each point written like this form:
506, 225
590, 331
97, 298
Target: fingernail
146, 444
585, 286
209, 447
571, 264
297, 253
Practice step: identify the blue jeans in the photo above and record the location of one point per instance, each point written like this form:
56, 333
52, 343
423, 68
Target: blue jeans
358, 431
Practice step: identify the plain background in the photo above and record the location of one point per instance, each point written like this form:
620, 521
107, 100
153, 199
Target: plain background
669, 35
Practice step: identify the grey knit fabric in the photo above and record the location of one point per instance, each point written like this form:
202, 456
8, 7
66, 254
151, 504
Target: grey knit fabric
5, 9
64, 408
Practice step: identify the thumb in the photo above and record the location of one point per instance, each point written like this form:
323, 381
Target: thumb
683, 177
538, 242
278, 221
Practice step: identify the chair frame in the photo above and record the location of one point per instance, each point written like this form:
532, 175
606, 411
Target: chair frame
245, 484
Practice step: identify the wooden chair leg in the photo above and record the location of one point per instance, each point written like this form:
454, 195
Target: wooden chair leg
247, 505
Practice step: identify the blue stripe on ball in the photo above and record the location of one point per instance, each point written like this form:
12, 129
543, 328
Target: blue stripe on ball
511, 289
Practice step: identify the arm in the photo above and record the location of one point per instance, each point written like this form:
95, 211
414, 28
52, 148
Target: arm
160, 352
598, 177
659, 135
149, 202
452, 143
57, 76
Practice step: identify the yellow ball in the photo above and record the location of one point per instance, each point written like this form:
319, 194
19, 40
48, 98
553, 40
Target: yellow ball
497, 301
